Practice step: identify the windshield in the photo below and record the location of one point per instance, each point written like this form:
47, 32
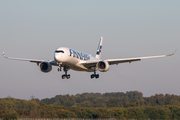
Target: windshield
59, 51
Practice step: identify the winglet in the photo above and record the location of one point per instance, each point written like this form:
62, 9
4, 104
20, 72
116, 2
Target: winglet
3, 55
172, 53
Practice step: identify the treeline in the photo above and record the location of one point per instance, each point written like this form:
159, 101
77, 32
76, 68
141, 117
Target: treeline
129, 105
119, 99
11, 108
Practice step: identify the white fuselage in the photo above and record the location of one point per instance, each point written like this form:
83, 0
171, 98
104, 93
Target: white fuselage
72, 58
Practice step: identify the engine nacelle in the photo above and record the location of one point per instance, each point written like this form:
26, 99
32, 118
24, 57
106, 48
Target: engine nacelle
103, 66
45, 67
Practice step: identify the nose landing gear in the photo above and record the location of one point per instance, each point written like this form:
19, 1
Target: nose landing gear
66, 75
60, 64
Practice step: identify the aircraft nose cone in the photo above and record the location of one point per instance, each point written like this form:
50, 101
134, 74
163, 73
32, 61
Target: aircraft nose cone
57, 57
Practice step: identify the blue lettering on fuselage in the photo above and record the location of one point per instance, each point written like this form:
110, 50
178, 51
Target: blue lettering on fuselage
79, 55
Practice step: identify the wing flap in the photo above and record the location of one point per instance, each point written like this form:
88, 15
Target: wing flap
117, 61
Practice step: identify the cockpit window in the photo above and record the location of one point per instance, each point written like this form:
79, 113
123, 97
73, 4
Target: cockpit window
59, 51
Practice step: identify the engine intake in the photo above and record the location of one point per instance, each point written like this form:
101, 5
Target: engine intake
103, 66
45, 67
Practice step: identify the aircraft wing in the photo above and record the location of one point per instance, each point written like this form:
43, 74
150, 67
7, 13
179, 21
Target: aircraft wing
53, 62
123, 60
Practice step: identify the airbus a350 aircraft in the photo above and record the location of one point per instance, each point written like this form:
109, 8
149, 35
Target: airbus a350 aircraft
68, 58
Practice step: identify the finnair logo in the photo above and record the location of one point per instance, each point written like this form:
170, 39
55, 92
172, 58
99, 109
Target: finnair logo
79, 55
99, 50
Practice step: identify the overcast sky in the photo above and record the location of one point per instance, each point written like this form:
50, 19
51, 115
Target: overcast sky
131, 28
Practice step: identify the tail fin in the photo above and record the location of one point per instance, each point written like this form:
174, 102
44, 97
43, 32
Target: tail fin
99, 49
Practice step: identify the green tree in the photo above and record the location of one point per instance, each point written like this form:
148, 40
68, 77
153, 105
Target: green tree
1, 114
136, 113
68, 114
67, 100
160, 99
175, 112
155, 112
50, 110
10, 115
118, 113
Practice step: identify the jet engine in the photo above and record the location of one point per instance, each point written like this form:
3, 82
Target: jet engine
45, 67
103, 66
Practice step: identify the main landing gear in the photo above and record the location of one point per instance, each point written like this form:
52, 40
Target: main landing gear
94, 75
65, 68
66, 75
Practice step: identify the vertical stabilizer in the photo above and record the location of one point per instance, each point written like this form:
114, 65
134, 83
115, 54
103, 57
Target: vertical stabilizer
99, 49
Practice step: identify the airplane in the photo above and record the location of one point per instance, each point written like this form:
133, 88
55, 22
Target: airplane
68, 58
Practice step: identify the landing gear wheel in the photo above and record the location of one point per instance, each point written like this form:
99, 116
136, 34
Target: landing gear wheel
92, 76
68, 76
97, 76
63, 76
